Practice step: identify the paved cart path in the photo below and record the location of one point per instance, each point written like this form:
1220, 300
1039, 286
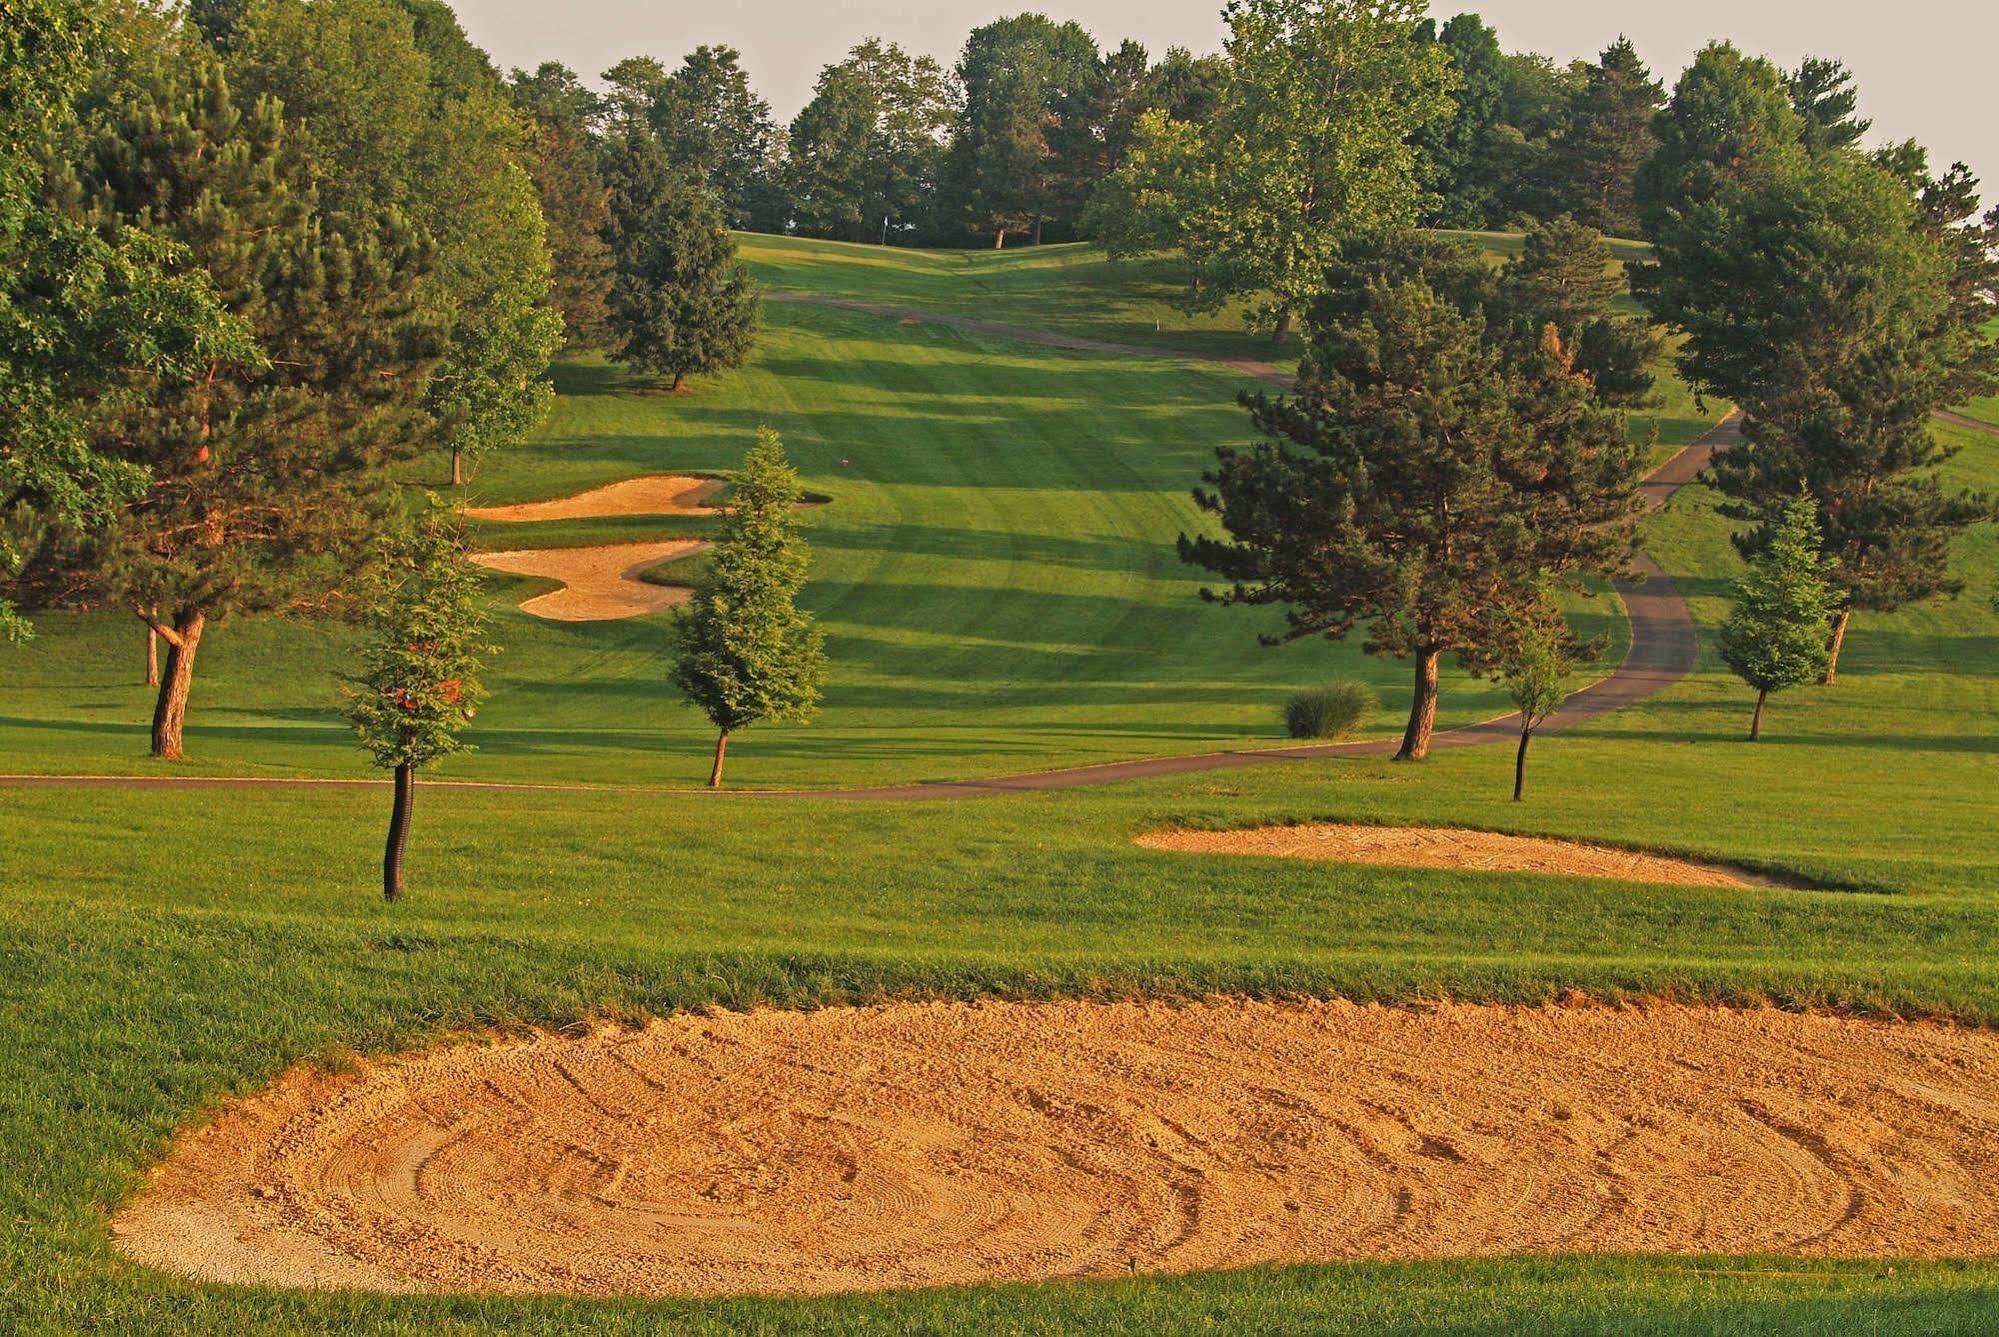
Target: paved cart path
1663, 646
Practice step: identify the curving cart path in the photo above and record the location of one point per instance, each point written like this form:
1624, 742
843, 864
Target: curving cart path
1662, 652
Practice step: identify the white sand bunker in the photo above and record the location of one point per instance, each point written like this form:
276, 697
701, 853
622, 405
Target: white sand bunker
599, 584
653, 494
924, 1145
1448, 847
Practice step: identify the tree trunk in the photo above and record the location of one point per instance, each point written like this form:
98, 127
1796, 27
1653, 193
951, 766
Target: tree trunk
1422, 710
1037, 231
884, 229
1282, 330
457, 473
721, 751
1756, 721
152, 656
1831, 674
999, 239
399, 833
679, 381
1520, 759
170, 710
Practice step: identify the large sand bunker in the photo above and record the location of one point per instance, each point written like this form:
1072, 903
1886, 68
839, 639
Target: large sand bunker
917, 1145
599, 584
1450, 847
653, 494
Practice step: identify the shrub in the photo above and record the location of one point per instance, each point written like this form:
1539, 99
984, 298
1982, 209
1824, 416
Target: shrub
1329, 712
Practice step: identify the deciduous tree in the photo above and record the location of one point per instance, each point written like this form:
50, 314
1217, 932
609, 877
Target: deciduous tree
743, 652
1729, 124
1536, 664
492, 278
709, 120
419, 684
1458, 149
575, 202
1000, 172
1312, 144
865, 153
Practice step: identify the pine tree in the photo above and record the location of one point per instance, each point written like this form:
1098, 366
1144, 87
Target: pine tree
1825, 97
1540, 656
419, 684
681, 302
1824, 301
743, 651
84, 311
490, 279
266, 476
709, 121
1451, 470
1776, 632
1565, 277
1593, 164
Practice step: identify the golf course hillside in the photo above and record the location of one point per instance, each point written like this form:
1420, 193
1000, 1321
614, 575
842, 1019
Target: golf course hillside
993, 564
993, 567
1347, 686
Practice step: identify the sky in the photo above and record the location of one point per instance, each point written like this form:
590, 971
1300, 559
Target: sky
1928, 69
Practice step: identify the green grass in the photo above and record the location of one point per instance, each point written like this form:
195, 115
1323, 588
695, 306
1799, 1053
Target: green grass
994, 572
1986, 410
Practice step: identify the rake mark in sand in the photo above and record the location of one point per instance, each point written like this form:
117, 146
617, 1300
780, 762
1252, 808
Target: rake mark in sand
916, 1145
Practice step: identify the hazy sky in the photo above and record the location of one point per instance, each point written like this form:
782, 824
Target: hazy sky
1926, 67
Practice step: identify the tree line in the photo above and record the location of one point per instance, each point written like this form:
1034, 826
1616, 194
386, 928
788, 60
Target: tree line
1024, 136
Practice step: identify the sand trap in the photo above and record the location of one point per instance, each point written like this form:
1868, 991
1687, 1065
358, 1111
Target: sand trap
654, 494
599, 584
1446, 847
919, 1145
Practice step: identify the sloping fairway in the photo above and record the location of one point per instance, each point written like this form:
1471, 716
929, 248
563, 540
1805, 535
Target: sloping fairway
995, 571
161, 948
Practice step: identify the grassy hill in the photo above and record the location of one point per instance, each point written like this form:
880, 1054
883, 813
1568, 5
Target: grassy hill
995, 574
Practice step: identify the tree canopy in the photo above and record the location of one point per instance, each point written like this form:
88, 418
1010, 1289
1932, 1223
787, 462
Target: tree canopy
681, 302
1834, 307
865, 153
1436, 471
743, 652
1775, 633
1312, 145
85, 310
